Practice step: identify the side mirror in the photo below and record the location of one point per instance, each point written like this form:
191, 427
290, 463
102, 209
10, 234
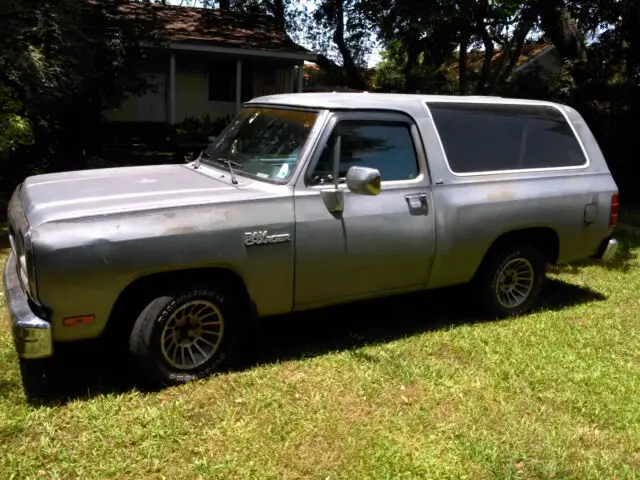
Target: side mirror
363, 180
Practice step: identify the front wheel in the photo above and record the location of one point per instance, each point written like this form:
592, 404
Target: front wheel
185, 336
510, 280
36, 379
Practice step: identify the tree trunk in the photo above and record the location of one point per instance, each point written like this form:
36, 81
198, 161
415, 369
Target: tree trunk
462, 63
562, 29
513, 49
485, 73
225, 4
351, 70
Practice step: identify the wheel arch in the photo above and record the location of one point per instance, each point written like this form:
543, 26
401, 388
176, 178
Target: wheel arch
138, 293
544, 238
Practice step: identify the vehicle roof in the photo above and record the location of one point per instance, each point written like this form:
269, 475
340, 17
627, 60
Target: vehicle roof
413, 104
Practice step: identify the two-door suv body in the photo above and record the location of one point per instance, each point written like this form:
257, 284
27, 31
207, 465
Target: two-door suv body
303, 201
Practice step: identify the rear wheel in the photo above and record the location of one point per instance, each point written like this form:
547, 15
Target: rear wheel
185, 336
510, 280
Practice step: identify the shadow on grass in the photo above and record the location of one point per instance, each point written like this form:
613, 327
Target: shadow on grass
86, 371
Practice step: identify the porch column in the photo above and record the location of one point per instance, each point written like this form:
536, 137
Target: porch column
300, 77
238, 84
172, 89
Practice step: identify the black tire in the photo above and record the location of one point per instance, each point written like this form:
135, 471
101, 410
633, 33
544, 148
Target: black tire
485, 284
145, 342
36, 376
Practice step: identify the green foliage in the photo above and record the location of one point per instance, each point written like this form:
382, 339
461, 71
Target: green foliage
396, 74
199, 129
62, 63
15, 129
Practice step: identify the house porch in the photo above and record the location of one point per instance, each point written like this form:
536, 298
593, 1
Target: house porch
196, 84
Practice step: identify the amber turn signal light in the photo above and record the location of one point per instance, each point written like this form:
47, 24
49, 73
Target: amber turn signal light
71, 321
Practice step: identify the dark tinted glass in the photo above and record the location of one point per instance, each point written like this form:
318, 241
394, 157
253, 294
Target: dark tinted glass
480, 138
385, 146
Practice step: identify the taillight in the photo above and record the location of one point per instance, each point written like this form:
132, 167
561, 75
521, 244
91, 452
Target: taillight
613, 215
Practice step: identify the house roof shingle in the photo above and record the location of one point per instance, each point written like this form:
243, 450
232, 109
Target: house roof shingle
476, 58
205, 26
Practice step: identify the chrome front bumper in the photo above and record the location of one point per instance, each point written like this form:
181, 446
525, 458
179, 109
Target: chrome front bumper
31, 334
608, 249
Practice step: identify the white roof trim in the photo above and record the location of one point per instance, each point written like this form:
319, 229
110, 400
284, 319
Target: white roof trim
524, 65
242, 51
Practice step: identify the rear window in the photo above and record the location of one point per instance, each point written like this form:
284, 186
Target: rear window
485, 138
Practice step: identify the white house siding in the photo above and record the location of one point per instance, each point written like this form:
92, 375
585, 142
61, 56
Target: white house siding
151, 107
192, 91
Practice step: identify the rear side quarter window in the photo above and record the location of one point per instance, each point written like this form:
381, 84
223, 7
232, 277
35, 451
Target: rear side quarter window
479, 138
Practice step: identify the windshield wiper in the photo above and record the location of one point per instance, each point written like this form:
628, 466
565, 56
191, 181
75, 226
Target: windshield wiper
230, 164
225, 161
201, 155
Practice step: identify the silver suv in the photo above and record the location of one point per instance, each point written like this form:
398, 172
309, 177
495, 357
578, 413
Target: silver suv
305, 200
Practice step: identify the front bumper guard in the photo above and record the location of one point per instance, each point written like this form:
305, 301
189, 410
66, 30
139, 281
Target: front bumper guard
31, 334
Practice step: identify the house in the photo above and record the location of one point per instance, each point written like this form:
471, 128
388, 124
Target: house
211, 61
541, 57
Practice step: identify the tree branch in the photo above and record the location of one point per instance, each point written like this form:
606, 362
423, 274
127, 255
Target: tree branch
513, 48
462, 62
351, 71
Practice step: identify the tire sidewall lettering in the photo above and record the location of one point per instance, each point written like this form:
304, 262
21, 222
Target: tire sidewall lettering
187, 377
173, 374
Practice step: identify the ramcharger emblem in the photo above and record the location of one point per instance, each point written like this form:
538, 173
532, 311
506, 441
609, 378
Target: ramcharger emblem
262, 237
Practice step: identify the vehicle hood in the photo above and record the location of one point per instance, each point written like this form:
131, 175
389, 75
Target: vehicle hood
89, 193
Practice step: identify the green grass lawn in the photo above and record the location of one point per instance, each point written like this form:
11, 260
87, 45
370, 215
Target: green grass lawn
403, 388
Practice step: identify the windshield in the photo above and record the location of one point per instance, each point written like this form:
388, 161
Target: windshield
264, 142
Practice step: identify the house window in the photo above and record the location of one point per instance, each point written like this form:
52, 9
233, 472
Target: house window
222, 81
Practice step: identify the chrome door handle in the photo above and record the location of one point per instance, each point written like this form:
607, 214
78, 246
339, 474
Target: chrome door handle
417, 203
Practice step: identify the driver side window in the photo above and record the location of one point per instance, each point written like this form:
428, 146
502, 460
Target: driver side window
385, 146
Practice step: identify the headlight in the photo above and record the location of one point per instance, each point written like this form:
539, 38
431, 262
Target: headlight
27, 267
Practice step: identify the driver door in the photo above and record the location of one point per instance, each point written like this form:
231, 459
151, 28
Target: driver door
376, 244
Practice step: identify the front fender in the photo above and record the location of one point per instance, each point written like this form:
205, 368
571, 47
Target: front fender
83, 266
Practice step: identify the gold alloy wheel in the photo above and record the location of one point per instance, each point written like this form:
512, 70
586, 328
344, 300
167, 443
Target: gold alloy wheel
515, 282
192, 334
